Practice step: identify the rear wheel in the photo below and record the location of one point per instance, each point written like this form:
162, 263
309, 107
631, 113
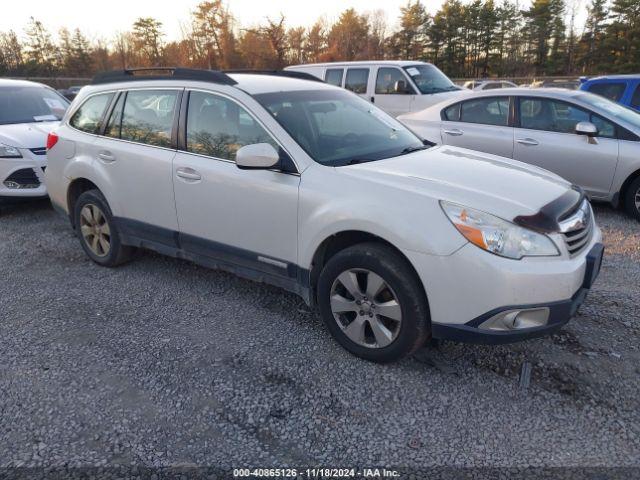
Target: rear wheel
372, 303
97, 231
632, 199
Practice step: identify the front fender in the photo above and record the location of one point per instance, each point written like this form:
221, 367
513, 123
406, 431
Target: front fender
405, 219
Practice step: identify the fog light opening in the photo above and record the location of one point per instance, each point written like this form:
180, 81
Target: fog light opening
517, 319
11, 184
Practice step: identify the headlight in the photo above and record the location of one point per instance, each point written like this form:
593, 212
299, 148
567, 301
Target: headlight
9, 152
496, 235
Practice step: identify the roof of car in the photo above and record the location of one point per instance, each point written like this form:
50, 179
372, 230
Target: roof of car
9, 82
256, 83
530, 92
397, 63
250, 83
628, 76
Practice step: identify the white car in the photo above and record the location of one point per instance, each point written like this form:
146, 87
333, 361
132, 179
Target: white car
589, 140
395, 86
28, 112
308, 187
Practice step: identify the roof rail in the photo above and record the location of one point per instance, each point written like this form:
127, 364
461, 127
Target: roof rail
279, 73
163, 73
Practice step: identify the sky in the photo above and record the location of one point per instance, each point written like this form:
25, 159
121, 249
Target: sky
101, 20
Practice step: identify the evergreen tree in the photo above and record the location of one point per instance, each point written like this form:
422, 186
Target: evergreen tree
592, 50
40, 51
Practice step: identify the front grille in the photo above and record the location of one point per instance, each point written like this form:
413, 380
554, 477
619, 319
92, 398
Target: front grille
577, 228
24, 178
39, 151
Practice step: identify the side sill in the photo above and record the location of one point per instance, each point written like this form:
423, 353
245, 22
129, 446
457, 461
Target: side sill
288, 284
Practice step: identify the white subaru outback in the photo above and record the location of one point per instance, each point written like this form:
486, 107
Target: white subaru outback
309, 187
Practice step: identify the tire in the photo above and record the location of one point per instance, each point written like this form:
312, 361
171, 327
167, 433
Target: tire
357, 327
97, 232
632, 199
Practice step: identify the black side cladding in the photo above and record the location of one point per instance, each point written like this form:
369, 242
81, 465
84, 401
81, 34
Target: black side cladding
548, 218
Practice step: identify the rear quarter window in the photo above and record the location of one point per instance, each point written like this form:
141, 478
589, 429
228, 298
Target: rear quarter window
88, 117
452, 113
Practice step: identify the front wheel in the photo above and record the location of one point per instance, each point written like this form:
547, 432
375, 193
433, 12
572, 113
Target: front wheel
632, 199
97, 231
373, 304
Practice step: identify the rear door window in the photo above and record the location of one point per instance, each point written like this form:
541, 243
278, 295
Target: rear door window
148, 117
611, 90
487, 111
357, 79
333, 76
88, 117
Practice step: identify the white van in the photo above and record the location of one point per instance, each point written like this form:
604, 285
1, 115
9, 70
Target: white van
396, 87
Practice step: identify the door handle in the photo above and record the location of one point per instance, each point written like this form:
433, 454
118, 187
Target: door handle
373, 99
454, 132
527, 141
106, 156
188, 174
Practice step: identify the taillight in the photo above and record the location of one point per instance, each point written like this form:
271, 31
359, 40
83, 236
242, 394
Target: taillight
52, 139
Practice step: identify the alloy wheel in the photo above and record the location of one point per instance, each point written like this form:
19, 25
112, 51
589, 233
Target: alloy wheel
637, 200
95, 230
366, 308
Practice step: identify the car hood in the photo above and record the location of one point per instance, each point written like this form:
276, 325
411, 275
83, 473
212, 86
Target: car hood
497, 185
26, 135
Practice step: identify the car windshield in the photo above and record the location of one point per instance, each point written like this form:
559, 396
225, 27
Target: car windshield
612, 108
339, 128
20, 104
430, 79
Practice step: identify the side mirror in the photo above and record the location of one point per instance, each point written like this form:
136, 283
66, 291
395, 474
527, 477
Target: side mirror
587, 128
258, 156
400, 86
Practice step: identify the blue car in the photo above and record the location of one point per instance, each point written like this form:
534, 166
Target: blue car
624, 89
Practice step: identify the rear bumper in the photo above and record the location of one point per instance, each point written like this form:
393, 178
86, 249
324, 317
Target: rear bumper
560, 312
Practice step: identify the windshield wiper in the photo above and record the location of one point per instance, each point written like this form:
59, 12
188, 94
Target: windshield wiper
413, 149
355, 161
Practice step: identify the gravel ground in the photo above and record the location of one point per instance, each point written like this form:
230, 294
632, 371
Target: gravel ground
163, 363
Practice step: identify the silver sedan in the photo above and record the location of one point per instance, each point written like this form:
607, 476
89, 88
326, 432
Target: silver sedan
585, 138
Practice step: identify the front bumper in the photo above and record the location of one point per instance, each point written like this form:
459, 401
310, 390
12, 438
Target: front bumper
471, 284
20, 169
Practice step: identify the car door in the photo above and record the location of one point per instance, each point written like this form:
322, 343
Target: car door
357, 81
387, 97
229, 215
545, 136
135, 156
481, 124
